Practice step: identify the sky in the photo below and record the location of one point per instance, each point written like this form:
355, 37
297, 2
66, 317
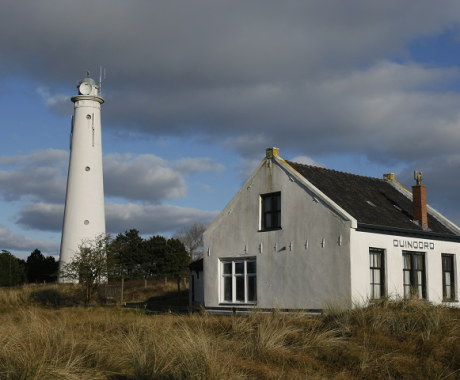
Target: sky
196, 90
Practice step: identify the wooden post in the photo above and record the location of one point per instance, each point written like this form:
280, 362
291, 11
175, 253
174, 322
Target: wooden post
122, 283
178, 291
145, 283
166, 280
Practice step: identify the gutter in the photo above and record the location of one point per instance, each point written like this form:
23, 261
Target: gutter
371, 228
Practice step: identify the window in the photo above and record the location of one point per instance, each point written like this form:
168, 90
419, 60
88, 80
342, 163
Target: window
239, 281
271, 211
414, 274
448, 283
377, 273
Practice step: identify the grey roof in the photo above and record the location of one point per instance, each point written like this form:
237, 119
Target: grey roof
370, 200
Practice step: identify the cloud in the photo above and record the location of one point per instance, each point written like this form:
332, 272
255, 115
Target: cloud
188, 166
41, 176
38, 176
311, 76
144, 177
41, 216
19, 242
148, 219
439, 176
246, 167
306, 161
154, 219
57, 101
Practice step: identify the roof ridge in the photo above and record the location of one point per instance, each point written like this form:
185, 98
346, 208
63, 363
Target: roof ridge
335, 171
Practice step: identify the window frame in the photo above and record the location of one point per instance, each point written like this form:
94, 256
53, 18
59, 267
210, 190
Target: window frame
234, 276
453, 292
412, 274
382, 282
274, 211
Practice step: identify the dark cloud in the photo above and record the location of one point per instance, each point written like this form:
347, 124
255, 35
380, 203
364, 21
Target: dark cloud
442, 182
148, 219
19, 242
309, 75
38, 176
41, 176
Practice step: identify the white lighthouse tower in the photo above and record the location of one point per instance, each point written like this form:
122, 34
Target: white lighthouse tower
84, 216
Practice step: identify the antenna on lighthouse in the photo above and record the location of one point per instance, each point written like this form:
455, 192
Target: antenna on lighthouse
100, 80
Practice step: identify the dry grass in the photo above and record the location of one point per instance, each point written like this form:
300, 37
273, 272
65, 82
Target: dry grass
396, 340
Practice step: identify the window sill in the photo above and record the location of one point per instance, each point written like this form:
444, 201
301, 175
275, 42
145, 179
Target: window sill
449, 301
270, 229
237, 304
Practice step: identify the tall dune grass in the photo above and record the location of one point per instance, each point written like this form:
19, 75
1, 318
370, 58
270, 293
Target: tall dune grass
389, 339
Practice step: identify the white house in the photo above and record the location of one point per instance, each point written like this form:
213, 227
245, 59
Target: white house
298, 236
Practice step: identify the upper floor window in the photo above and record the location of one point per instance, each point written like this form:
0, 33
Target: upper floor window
414, 275
271, 211
377, 273
448, 283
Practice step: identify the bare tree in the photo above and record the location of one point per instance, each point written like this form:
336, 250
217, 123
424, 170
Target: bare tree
192, 238
89, 265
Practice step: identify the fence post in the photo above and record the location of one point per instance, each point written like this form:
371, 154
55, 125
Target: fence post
122, 283
178, 291
166, 280
145, 283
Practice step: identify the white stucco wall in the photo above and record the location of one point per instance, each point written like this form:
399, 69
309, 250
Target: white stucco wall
298, 277
394, 247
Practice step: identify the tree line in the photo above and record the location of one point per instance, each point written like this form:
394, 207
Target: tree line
132, 257
35, 269
127, 256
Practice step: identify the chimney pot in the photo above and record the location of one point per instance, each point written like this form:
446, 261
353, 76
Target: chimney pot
271, 152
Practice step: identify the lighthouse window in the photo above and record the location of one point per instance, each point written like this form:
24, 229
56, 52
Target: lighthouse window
88, 117
87, 169
86, 222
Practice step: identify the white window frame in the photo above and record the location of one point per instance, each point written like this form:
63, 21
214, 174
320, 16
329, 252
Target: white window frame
233, 276
382, 273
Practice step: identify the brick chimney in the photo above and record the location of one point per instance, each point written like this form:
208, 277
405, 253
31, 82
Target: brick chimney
419, 200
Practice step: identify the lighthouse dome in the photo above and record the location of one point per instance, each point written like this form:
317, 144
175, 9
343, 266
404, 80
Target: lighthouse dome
88, 79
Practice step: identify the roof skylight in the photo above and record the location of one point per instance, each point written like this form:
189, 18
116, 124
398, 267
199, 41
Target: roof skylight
373, 205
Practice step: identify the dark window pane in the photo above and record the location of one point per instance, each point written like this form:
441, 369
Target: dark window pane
447, 263
228, 289
251, 267
268, 204
240, 288
268, 220
239, 268
228, 268
252, 288
277, 202
278, 219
